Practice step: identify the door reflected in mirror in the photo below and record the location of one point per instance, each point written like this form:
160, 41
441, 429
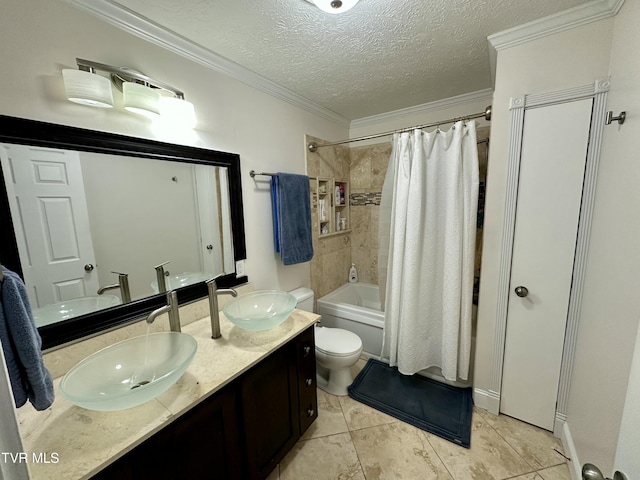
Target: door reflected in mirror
83, 220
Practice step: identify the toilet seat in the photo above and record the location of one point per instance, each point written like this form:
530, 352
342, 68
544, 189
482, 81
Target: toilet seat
337, 342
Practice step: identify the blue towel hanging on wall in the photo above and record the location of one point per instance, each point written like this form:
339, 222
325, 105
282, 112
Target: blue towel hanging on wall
291, 217
21, 344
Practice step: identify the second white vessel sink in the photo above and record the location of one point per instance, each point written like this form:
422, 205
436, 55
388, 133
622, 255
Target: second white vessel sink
260, 310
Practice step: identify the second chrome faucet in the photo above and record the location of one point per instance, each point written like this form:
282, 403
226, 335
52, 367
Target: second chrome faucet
214, 291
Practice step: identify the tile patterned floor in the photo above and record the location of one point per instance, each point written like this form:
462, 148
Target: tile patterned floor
351, 441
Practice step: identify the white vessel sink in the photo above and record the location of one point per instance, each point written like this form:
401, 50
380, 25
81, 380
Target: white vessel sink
129, 373
57, 312
182, 280
260, 310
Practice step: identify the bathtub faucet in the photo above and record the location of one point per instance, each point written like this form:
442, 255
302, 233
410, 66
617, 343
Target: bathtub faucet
214, 313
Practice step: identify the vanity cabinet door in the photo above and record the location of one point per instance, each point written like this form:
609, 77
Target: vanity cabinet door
270, 411
203, 443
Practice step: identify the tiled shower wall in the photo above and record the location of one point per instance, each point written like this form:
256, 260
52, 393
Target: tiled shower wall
368, 169
365, 169
332, 254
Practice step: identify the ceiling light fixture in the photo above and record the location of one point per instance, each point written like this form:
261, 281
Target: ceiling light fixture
334, 6
141, 94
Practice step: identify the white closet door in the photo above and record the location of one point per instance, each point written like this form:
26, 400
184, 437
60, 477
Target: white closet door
552, 163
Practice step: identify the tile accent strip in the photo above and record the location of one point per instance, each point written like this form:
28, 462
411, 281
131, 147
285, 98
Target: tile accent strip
363, 199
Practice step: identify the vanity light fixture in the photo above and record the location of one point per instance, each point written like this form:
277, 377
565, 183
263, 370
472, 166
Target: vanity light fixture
334, 6
141, 94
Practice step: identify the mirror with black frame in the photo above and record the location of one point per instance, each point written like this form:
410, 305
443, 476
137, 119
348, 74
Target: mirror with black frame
87, 216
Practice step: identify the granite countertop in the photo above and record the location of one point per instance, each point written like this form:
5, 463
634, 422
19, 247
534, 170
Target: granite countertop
73, 443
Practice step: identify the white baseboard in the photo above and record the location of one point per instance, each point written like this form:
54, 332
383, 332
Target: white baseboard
570, 451
558, 424
487, 400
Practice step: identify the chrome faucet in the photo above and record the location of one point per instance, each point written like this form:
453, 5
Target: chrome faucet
171, 308
160, 276
212, 286
123, 285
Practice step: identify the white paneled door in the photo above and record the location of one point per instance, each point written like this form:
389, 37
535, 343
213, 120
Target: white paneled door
554, 149
49, 210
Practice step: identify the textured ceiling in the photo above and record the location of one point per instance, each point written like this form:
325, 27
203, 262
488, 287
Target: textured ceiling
380, 56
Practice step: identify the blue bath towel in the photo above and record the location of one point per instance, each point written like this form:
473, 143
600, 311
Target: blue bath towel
22, 345
291, 217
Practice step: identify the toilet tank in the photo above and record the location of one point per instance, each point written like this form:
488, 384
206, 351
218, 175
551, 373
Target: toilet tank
304, 298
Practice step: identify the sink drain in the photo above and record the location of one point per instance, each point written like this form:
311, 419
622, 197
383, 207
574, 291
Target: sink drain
144, 382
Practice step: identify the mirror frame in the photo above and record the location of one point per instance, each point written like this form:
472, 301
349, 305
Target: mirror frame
31, 132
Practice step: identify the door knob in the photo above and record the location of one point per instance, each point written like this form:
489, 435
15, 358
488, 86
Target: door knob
521, 291
591, 472
88, 267
209, 247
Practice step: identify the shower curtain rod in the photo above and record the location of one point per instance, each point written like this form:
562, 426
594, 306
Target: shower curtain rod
253, 173
313, 146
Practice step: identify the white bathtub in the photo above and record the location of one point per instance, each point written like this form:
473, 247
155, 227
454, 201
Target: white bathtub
356, 307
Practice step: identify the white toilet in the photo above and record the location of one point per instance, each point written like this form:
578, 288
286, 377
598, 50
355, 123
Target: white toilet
337, 350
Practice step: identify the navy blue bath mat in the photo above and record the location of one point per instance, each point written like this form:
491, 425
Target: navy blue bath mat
432, 406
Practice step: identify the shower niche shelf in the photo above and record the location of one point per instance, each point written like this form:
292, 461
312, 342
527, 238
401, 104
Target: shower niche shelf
331, 200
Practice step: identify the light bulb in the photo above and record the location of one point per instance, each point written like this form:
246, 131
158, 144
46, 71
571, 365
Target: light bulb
178, 112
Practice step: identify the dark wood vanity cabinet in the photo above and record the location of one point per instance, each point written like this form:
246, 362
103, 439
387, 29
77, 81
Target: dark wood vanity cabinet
279, 402
242, 431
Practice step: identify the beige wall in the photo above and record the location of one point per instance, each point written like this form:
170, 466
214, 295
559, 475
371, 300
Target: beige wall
40, 37
610, 313
609, 316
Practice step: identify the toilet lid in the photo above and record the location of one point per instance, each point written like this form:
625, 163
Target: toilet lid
337, 341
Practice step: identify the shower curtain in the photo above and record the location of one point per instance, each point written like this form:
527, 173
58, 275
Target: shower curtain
426, 249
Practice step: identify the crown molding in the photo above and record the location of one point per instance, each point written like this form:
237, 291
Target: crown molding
486, 94
574, 17
120, 17
559, 22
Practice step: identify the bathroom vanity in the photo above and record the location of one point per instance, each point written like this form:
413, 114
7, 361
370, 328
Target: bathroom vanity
240, 407
242, 431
